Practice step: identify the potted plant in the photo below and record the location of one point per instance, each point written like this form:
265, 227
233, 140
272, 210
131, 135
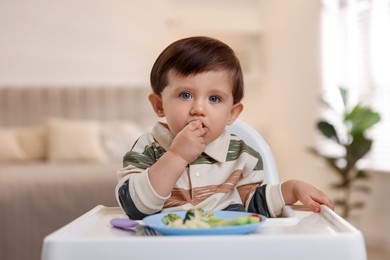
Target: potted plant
348, 132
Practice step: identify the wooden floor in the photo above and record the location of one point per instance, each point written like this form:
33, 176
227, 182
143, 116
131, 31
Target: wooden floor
377, 253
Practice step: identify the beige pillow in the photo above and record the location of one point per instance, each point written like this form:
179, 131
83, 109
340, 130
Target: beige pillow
74, 140
119, 137
10, 149
33, 141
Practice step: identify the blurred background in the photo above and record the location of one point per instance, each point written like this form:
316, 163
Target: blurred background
292, 52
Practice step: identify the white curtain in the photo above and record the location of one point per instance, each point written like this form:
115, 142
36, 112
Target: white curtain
356, 55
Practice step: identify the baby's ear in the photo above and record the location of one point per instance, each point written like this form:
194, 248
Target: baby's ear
156, 102
235, 113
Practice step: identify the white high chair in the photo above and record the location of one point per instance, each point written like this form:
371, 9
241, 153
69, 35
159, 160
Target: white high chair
257, 142
301, 234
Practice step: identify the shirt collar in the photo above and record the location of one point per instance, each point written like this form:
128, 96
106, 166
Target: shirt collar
217, 149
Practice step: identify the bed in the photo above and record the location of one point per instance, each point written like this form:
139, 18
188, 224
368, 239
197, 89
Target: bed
60, 148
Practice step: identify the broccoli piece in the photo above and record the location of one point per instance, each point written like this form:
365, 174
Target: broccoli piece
190, 214
169, 218
197, 213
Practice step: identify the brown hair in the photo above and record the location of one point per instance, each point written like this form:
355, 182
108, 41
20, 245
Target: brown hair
196, 55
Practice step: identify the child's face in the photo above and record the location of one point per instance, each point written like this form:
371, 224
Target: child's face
205, 96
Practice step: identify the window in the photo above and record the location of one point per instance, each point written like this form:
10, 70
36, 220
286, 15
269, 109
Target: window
356, 55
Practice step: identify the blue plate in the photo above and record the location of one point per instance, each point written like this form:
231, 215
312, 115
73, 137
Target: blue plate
155, 222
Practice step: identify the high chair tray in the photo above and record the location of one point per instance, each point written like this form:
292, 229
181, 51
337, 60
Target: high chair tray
301, 234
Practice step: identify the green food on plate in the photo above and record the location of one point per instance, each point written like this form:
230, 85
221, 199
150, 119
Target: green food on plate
198, 218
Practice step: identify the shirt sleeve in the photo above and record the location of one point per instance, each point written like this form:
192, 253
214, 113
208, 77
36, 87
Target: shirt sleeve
134, 192
137, 197
274, 200
126, 202
267, 200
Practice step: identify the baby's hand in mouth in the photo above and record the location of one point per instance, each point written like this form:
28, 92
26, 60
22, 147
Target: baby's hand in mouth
189, 143
197, 124
198, 121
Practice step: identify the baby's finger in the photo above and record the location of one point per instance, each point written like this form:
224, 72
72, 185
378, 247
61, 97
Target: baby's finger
196, 124
311, 204
322, 198
201, 131
327, 201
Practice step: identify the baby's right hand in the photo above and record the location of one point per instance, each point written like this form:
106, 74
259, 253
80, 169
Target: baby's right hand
189, 142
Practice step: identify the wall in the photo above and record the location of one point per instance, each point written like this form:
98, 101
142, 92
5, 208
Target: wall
288, 108
287, 100
374, 218
78, 42
98, 42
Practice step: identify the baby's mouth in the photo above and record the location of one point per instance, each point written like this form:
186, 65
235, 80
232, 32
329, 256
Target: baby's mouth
202, 125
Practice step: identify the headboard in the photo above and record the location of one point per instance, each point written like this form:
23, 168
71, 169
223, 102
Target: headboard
24, 106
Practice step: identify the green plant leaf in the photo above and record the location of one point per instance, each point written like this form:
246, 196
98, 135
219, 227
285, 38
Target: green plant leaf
360, 174
328, 130
359, 147
344, 96
357, 205
360, 119
326, 104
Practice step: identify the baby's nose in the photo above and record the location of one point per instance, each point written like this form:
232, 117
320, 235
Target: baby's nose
198, 108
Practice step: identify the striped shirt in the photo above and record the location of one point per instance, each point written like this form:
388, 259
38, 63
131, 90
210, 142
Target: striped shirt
228, 173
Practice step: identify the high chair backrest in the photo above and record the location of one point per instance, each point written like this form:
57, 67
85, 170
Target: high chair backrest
257, 142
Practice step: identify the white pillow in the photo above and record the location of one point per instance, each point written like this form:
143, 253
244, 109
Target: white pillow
10, 149
119, 137
74, 140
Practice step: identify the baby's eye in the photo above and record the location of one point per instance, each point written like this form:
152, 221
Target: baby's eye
185, 95
215, 99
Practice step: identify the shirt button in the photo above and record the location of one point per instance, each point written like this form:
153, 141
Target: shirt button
197, 174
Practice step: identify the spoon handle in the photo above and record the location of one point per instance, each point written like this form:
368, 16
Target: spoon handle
123, 223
